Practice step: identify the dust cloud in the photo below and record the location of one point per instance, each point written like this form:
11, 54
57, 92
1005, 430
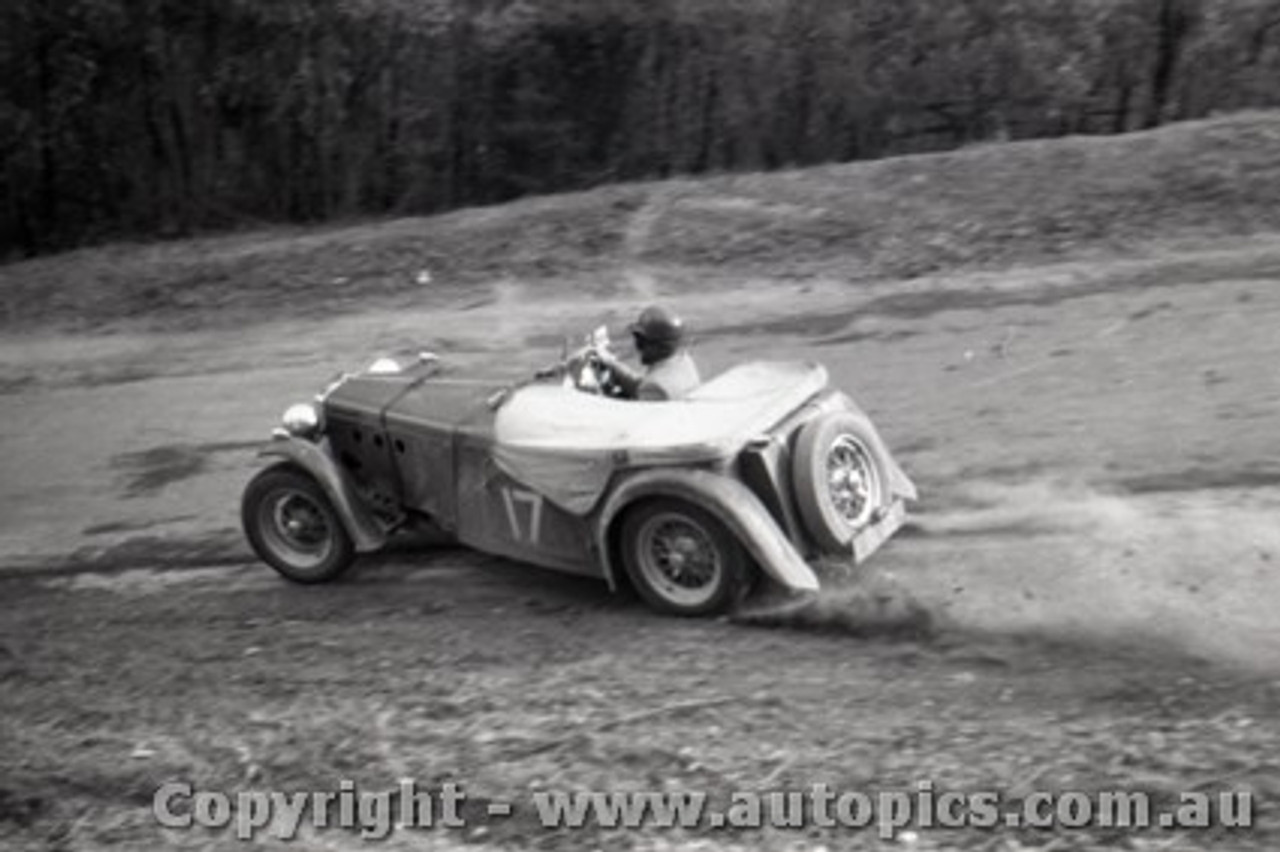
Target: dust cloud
1194, 570
1190, 572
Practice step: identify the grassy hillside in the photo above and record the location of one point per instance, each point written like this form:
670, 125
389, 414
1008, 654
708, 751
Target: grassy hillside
985, 207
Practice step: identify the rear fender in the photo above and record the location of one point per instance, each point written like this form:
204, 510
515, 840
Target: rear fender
730, 501
316, 460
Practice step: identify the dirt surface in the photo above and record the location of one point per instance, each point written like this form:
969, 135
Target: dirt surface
1085, 597
1096, 551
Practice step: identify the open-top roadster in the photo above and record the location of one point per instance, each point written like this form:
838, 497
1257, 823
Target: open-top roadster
759, 469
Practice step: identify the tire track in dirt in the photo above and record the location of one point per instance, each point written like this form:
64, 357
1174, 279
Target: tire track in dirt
639, 232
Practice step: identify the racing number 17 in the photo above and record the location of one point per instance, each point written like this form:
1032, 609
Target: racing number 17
511, 497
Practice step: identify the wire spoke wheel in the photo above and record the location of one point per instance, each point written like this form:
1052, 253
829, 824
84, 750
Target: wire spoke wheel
678, 557
291, 524
296, 527
851, 481
681, 559
839, 486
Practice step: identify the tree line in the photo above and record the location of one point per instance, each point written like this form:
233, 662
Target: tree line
164, 117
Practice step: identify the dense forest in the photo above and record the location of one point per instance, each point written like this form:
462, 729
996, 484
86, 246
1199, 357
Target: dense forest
163, 117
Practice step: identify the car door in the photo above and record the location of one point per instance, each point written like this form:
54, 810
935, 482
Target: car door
500, 515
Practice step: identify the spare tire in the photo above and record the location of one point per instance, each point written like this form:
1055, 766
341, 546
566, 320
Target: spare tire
838, 483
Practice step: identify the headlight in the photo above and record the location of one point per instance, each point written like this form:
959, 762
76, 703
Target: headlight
385, 367
302, 420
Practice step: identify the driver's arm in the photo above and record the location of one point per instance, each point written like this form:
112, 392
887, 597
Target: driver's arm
626, 379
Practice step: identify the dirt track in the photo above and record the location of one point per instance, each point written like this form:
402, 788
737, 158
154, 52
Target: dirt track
1097, 548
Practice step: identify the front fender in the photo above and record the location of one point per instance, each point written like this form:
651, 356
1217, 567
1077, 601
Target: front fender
730, 501
316, 460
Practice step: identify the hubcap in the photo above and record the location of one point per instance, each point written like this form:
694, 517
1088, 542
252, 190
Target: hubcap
851, 481
679, 559
296, 528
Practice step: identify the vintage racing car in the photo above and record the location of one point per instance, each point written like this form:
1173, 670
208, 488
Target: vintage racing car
761, 469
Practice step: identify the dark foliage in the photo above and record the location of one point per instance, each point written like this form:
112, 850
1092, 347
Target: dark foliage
164, 117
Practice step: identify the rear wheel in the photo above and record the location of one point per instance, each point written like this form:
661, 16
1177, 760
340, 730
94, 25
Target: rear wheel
681, 559
293, 527
837, 481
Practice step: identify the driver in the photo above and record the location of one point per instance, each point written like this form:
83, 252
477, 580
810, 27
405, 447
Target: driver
669, 369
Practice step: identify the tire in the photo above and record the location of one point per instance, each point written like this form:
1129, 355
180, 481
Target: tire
710, 570
838, 481
293, 527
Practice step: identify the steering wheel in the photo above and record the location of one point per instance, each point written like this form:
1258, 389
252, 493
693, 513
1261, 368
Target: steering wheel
589, 374
583, 369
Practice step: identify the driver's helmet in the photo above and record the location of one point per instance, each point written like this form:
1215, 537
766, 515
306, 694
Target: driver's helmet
658, 334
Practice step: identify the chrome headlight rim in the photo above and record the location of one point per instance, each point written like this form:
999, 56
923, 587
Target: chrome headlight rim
303, 420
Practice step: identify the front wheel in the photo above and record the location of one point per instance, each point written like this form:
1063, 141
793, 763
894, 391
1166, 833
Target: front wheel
293, 527
681, 559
